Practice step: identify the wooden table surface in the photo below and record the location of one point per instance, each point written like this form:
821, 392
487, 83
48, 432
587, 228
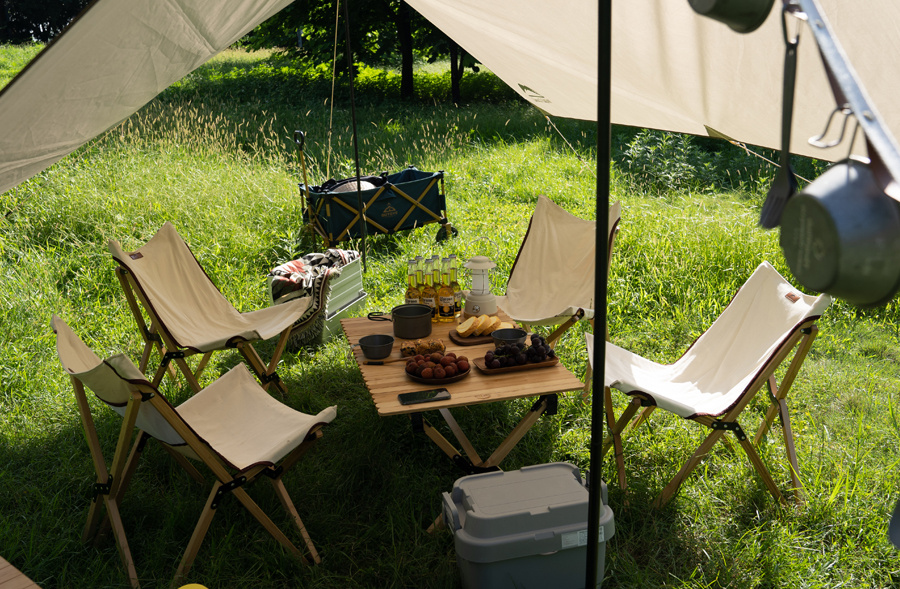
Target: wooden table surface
387, 381
13, 578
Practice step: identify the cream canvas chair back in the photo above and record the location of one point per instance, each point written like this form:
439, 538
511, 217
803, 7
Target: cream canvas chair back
109, 380
552, 278
181, 294
188, 315
717, 369
717, 377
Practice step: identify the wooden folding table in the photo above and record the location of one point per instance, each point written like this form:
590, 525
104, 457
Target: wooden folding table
387, 381
13, 578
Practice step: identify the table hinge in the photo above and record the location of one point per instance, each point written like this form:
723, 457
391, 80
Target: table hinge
467, 467
552, 404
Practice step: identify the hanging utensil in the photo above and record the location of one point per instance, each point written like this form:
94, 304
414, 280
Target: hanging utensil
785, 183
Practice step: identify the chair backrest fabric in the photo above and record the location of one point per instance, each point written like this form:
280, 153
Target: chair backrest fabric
555, 263
112, 380
760, 318
763, 313
186, 301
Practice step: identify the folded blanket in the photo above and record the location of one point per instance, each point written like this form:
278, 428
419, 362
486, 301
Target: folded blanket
309, 276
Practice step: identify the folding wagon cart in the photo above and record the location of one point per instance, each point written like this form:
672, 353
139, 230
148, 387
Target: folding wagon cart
388, 202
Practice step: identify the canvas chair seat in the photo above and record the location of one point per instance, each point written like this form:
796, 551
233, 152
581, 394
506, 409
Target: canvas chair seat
722, 371
552, 278
190, 314
232, 426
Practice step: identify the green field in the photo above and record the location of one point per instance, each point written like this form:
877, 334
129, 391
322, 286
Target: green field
215, 156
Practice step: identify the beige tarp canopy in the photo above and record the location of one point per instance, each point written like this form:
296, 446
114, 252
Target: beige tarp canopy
672, 69
112, 60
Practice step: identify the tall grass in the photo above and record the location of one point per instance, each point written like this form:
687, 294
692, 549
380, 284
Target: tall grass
221, 165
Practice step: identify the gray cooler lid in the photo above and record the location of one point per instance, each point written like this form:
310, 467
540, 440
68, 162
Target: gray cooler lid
502, 503
535, 510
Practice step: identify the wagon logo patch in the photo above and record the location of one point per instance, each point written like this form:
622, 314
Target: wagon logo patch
389, 211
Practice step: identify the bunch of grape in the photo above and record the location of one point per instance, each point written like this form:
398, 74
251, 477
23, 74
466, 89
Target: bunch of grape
518, 354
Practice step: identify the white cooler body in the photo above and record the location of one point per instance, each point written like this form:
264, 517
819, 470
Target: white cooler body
524, 528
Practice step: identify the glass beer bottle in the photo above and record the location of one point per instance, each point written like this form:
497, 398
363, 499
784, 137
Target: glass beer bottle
413, 294
446, 301
429, 295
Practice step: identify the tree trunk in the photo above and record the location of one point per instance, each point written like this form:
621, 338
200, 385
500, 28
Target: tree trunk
456, 67
404, 34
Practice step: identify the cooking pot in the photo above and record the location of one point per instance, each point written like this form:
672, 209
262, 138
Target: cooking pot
841, 235
743, 16
412, 321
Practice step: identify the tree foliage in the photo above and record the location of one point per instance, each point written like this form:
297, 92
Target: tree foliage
25, 21
383, 32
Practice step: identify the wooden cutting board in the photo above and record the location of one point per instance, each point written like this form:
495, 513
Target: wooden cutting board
479, 364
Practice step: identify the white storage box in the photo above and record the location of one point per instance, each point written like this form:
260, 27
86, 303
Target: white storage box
524, 528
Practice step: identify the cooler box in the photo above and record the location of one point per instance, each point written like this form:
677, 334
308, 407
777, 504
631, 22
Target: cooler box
524, 528
335, 288
346, 299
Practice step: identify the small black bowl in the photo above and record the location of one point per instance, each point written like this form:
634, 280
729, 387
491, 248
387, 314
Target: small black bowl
376, 347
509, 335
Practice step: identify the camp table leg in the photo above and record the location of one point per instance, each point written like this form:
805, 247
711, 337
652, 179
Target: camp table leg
518, 432
460, 436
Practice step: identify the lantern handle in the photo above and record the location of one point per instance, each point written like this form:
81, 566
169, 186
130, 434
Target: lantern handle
468, 257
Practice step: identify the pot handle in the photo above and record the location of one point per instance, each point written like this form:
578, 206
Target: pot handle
378, 316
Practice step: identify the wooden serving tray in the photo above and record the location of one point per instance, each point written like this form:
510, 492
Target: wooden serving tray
475, 340
479, 364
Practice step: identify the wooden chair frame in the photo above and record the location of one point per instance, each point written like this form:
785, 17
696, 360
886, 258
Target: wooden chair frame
156, 337
112, 482
800, 342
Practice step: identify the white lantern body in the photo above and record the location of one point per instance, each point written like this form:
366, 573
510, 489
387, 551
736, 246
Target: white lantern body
479, 299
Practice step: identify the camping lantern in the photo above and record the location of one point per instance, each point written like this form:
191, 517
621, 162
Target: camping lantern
479, 299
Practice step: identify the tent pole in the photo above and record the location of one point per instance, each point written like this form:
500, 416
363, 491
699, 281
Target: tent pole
604, 73
359, 201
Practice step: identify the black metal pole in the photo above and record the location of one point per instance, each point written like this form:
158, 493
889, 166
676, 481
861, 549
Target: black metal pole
359, 201
604, 73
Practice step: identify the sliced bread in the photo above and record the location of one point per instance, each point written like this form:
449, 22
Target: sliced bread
482, 324
467, 327
492, 326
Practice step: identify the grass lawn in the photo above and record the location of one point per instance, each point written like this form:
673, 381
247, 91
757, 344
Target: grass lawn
215, 156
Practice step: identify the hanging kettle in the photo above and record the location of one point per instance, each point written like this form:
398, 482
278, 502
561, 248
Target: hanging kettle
841, 235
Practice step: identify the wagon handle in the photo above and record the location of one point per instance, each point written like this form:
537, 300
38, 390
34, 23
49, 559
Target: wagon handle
300, 140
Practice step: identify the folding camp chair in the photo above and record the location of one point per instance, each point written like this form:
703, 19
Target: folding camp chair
720, 374
188, 315
232, 426
552, 279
